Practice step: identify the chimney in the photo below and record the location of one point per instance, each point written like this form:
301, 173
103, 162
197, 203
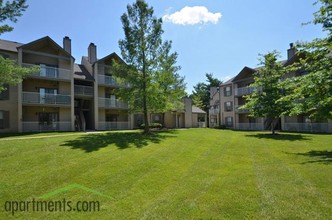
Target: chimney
291, 51
67, 44
92, 53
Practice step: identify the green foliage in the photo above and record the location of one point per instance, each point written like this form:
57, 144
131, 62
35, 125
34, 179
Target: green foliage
152, 125
150, 69
201, 93
11, 73
10, 11
312, 93
265, 100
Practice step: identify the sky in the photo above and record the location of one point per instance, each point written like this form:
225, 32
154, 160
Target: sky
210, 36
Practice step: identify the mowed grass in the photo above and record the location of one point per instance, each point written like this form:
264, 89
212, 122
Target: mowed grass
180, 174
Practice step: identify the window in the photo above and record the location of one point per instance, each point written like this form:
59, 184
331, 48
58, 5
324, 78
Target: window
4, 95
229, 121
156, 118
48, 70
228, 91
228, 106
47, 95
4, 119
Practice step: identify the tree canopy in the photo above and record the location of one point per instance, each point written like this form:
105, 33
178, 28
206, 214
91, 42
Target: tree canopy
264, 101
10, 72
150, 69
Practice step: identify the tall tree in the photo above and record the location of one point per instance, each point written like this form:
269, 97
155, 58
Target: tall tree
201, 93
150, 69
313, 91
10, 73
265, 102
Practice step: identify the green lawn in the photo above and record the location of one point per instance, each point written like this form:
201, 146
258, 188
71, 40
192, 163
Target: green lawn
181, 174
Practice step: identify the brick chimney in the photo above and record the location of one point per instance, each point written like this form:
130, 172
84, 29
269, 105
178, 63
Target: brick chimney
92, 53
67, 44
291, 51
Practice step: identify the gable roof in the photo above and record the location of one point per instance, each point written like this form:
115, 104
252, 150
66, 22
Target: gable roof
49, 40
195, 109
80, 72
110, 56
9, 45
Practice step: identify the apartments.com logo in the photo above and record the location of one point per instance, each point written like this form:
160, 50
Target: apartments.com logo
42, 204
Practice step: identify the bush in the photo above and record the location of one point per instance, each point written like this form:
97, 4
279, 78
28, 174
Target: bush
220, 127
152, 125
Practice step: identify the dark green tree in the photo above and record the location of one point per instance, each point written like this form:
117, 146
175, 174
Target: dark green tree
10, 73
201, 93
312, 92
265, 101
150, 69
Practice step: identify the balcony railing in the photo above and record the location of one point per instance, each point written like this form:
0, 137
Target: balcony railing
249, 126
45, 99
113, 125
307, 127
214, 111
246, 90
111, 103
50, 72
239, 110
109, 81
83, 90
51, 126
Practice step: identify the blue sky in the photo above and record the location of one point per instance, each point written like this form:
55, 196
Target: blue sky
219, 37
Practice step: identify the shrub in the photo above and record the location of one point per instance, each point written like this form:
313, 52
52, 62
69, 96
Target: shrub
152, 125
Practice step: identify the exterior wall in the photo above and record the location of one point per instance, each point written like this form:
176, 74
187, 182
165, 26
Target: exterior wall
224, 114
188, 113
11, 106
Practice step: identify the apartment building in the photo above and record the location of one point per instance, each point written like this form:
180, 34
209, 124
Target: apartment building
66, 96
226, 100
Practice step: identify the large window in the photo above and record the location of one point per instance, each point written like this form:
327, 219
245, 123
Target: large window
4, 95
228, 106
4, 119
49, 70
227, 91
229, 121
47, 95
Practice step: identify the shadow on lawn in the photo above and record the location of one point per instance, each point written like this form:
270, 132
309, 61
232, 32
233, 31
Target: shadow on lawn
324, 157
280, 137
122, 140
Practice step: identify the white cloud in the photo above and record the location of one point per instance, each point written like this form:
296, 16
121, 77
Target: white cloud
192, 15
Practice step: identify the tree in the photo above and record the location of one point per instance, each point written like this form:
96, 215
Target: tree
313, 91
201, 93
10, 73
265, 100
150, 69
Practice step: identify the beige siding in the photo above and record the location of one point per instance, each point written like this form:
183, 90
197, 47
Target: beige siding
11, 105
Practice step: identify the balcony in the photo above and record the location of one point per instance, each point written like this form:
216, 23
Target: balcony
113, 125
40, 127
214, 111
246, 90
35, 98
249, 126
241, 111
83, 90
109, 81
307, 127
50, 73
111, 103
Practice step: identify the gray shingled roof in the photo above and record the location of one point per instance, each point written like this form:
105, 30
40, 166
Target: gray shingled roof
9, 45
81, 73
195, 109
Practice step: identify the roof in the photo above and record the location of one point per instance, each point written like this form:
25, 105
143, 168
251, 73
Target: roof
9, 45
50, 40
81, 73
195, 109
110, 56
227, 82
